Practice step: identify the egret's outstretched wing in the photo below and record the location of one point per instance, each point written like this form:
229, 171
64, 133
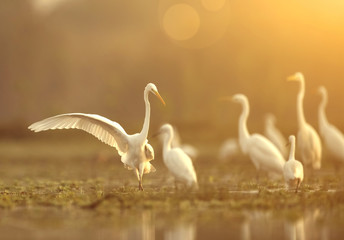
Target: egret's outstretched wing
104, 129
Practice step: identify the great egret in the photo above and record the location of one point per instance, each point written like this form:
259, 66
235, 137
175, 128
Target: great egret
229, 149
134, 150
176, 160
275, 135
293, 169
187, 148
263, 153
309, 144
332, 136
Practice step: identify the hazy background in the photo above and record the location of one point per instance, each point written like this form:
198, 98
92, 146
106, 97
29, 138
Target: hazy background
96, 56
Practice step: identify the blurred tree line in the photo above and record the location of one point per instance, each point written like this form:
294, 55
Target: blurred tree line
96, 56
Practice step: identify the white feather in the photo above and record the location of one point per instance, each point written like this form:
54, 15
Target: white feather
102, 128
263, 153
176, 160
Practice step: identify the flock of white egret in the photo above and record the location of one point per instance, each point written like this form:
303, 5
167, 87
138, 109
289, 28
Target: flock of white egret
268, 153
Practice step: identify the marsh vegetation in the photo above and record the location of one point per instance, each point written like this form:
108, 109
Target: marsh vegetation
59, 189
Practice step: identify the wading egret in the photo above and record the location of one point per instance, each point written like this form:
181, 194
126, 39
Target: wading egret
333, 137
293, 169
263, 153
229, 149
187, 148
134, 150
176, 160
275, 135
309, 144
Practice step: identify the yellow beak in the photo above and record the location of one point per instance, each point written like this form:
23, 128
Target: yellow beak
158, 95
225, 99
292, 78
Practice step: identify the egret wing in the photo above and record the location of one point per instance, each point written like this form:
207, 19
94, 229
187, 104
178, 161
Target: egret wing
268, 154
102, 128
180, 164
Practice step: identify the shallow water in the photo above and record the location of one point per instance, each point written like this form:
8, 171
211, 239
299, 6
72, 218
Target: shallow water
43, 194
42, 223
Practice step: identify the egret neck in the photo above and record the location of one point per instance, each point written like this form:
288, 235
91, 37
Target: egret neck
167, 141
321, 113
243, 132
300, 114
292, 149
145, 128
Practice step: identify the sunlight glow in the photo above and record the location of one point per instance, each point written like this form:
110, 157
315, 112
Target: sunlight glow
46, 6
181, 22
213, 5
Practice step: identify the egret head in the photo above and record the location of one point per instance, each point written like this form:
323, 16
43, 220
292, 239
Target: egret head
322, 91
239, 98
291, 139
296, 77
153, 89
166, 128
270, 118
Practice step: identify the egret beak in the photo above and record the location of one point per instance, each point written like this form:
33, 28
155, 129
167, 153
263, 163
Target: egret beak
295, 77
155, 134
292, 78
160, 98
225, 99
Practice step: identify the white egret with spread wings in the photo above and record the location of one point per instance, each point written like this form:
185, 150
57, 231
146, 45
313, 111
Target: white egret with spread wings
134, 149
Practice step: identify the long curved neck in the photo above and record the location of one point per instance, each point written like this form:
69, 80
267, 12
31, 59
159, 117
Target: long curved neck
167, 141
300, 113
270, 125
145, 128
321, 113
292, 150
243, 131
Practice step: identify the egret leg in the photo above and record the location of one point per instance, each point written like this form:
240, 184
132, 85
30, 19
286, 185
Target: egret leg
140, 177
140, 185
176, 182
258, 176
297, 185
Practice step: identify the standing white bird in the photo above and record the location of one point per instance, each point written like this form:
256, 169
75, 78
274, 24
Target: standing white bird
134, 150
263, 153
332, 136
293, 169
229, 149
309, 144
275, 135
176, 160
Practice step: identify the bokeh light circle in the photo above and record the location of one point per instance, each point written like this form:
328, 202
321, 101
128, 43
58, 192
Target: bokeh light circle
195, 24
181, 22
